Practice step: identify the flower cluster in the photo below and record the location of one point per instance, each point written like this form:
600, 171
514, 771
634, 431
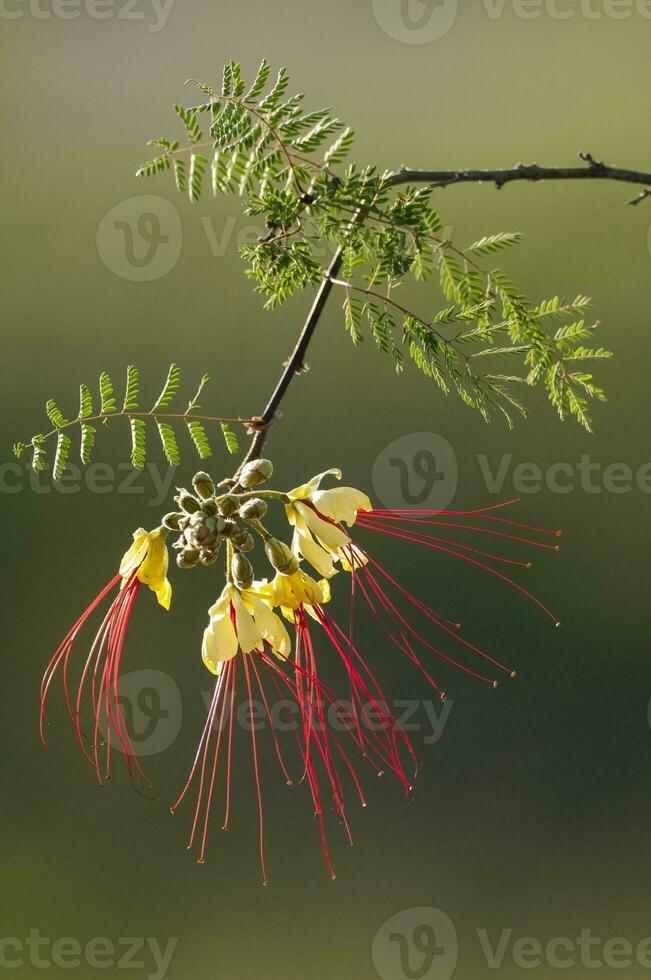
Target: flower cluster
265, 628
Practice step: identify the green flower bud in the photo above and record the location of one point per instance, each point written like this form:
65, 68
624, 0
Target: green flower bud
281, 556
228, 504
187, 558
254, 509
229, 529
209, 508
172, 521
257, 471
206, 535
202, 483
243, 540
209, 556
242, 571
187, 502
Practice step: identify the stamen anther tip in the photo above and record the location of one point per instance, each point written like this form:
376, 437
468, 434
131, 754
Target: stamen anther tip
201, 860
496, 684
558, 624
558, 533
513, 673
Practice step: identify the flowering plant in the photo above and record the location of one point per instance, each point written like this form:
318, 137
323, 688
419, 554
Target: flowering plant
247, 631
269, 629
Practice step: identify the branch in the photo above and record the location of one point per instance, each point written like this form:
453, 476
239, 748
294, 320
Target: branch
532, 172
296, 362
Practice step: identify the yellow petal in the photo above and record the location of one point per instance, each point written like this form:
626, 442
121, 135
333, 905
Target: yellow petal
306, 490
133, 557
164, 594
352, 556
341, 504
271, 628
222, 606
331, 537
153, 568
219, 643
314, 553
248, 634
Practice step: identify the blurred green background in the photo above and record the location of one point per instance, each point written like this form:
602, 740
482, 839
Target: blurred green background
532, 812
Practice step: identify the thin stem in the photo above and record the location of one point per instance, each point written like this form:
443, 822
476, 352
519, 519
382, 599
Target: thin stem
533, 172
179, 417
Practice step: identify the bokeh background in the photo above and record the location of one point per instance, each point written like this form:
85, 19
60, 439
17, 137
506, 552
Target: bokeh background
532, 813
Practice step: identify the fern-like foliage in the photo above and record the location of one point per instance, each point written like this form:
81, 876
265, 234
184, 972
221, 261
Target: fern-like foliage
286, 161
105, 411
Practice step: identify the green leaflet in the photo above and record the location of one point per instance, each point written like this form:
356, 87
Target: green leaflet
166, 424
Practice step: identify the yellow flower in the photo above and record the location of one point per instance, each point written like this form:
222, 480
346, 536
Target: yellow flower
315, 515
290, 592
241, 620
149, 559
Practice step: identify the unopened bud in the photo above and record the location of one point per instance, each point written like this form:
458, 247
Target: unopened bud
187, 502
257, 471
206, 535
228, 504
209, 508
187, 558
242, 571
254, 509
209, 557
243, 540
203, 484
229, 529
172, 521
281, 556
